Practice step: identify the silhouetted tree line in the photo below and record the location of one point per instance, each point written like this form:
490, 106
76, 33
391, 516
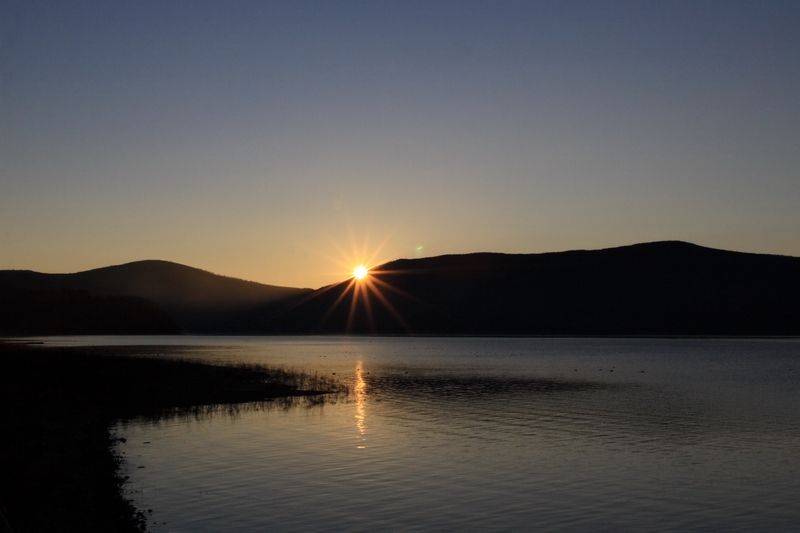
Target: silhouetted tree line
76, 312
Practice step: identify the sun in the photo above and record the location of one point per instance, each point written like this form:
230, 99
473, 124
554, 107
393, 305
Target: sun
365, 291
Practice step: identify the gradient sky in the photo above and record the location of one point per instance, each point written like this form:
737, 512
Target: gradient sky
261, 140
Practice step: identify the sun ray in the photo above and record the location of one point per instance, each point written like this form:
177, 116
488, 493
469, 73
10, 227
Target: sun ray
388, 305
395, 289
302, 300
357, 253
380, 247
353, 306
368, 308
361, 261
336, 303
342, 264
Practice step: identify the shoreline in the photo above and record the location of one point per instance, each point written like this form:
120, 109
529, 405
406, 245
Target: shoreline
58, 467
41, 340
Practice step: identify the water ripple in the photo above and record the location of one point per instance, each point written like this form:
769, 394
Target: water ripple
698, 443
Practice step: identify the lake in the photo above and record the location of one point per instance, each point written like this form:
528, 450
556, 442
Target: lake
484, 434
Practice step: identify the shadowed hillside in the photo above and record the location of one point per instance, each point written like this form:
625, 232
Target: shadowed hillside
197, 300
71, 312
663, 288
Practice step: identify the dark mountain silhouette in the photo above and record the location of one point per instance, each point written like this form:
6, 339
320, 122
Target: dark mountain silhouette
198, 301
661, 288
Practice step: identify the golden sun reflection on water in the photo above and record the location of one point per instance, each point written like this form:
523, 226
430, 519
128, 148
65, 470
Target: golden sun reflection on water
360, 391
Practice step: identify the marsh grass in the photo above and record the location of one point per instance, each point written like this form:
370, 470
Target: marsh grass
302, 390
58, 408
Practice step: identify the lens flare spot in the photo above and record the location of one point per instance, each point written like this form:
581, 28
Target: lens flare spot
360, 272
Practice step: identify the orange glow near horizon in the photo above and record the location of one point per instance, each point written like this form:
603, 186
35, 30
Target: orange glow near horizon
365, 292
356, 260
364, 288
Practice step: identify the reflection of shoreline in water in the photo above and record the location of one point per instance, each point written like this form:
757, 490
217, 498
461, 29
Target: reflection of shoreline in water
360, 392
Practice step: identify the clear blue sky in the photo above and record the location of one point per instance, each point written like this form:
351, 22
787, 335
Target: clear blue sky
261, 139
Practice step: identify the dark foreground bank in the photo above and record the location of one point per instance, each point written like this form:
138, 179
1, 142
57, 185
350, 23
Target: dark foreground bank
58, 468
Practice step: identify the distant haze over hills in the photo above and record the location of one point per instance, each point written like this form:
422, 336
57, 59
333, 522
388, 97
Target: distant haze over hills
662, 288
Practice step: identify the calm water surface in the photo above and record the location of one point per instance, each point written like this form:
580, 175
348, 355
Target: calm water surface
486, 434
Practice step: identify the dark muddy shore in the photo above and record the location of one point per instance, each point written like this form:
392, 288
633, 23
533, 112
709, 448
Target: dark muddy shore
58, 468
